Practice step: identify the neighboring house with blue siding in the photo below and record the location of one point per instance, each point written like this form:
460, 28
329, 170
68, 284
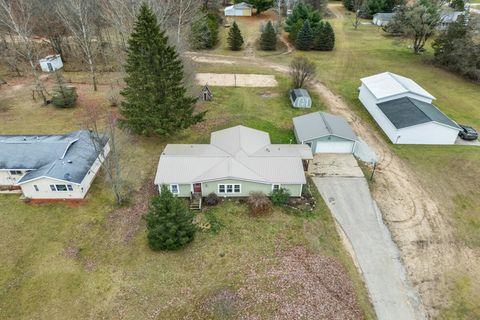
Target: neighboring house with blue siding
238, 161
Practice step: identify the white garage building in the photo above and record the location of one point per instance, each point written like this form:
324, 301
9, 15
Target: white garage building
325, 133
51, 63
405, 112
241, 9
51, 166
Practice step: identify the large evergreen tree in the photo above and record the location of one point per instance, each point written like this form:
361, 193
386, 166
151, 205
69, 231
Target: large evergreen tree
235, 39
169, 222
329, 37
302, 12
268, 39
305, 37
155, 99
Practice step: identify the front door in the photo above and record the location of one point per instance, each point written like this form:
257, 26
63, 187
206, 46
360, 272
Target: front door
197, 188
50, 67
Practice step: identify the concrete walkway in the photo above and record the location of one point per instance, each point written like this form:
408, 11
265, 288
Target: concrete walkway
375, 253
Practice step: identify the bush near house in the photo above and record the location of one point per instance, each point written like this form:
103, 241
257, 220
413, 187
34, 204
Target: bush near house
212, 199
259, 203
280, 196
169, 222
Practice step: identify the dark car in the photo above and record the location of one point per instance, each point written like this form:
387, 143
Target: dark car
468, 133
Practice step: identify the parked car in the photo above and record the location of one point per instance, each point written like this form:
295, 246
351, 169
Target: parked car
468, 133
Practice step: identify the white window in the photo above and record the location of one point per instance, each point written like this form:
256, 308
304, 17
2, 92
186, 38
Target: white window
174, 188
229, 188
61, 187
275, 187
36, 187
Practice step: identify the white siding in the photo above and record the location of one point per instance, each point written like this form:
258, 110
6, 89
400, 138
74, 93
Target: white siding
334, 147
370, 103
7, 179
44, 191
427, 133
56, 64
87, 181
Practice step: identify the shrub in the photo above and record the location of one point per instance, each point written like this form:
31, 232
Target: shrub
213, 221
64, 96
259, 203
212, 199
280, 196
169, 222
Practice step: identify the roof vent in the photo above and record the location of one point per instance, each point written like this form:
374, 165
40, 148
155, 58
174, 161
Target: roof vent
67, 176
69, 161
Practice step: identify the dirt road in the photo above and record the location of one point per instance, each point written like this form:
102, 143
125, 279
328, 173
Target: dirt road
425, 238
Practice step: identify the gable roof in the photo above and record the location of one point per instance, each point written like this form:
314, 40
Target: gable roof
240, 6
389, 84
407, 112
319, 124
385, 16
297, 93
450, 17
239, 153
66, 157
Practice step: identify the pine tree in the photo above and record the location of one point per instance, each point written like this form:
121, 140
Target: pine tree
235, 39
155, 99
305, 37
169, 222
64, 96
268, 39
200, 36
319, 36
329, 37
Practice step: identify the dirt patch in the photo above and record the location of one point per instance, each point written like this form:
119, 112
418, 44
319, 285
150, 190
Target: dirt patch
223, 304
125, 220
267, 94
236, 80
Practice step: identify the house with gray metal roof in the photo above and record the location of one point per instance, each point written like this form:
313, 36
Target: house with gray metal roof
238, 161
325, 133
404, 110
50, 166
300, 98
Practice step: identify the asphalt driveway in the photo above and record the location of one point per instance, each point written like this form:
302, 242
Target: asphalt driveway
376, 254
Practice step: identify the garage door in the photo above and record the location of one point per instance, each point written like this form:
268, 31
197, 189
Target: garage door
334, 147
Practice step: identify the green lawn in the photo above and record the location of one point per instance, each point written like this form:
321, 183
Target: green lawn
62, 262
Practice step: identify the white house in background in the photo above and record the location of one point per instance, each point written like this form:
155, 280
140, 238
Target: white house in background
51, 63
447, 18
382, 19
325, 133
50, 166
405, 112
300, 98
241, 9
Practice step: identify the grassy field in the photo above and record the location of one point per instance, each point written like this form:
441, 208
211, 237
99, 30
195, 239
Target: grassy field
92, 261
450, 174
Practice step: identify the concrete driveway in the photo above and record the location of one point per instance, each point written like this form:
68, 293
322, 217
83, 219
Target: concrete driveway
376, 254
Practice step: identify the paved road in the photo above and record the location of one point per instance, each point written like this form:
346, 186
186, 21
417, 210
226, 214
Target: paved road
376, 254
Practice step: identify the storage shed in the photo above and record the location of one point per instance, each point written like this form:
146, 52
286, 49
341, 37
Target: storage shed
382, 19
51, 63
325, 133
300, 98
241, 9
405, 112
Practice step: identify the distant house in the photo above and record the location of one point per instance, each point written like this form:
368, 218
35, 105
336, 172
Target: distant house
206, 94
241, 9
50, 166
238, 161
382, 19
325, 133
300, 98
405, 112
51, 63
447, 18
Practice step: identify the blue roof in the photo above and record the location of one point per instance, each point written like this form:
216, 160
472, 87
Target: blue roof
66, 157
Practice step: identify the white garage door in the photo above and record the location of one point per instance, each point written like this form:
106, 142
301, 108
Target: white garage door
334, 147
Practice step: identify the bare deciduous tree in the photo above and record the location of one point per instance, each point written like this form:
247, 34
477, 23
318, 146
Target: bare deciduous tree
78, 16
102, 124
184, 11
16, 20
357, 5
302, 70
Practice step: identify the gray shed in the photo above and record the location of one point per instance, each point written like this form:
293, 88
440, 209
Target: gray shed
300, 98
325, 133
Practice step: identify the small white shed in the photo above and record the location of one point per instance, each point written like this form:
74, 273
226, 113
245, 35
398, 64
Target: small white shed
405, 112
300, 98
241, 9
382, 19
51, 63
325, 133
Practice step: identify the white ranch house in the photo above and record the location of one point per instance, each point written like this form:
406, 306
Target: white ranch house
325, 133
238, 161
51, 63
50, 166
405, 112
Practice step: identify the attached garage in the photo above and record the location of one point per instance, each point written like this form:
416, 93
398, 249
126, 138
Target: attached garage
238, 10
405, 112
325, 133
